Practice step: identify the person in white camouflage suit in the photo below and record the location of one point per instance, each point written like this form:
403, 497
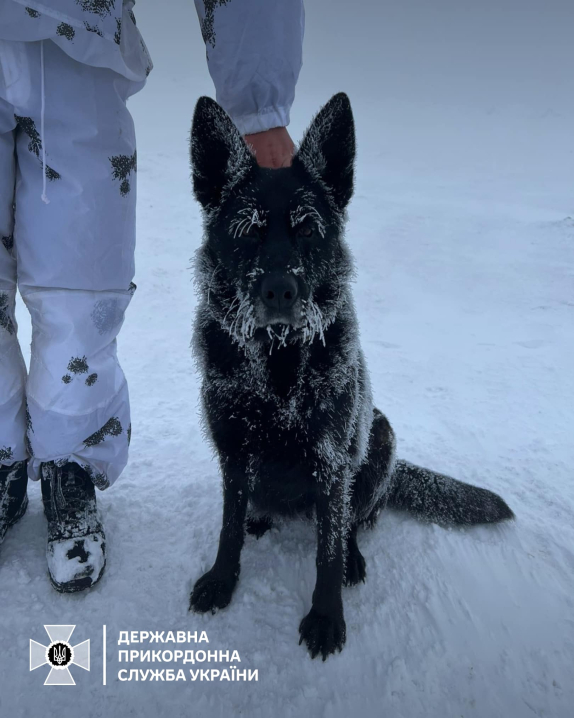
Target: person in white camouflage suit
68, 168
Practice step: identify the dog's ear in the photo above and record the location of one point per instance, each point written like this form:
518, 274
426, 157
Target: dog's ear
327, 150
219, 156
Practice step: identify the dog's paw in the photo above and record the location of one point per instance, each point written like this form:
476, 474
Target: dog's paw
211, 592
355, 568
324, 634
258, 526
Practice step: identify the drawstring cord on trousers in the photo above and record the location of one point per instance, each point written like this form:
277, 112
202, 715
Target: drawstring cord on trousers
44, 196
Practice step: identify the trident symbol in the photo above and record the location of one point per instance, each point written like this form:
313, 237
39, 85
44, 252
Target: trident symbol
60, 655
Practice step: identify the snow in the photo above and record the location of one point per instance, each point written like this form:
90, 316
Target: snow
462, 230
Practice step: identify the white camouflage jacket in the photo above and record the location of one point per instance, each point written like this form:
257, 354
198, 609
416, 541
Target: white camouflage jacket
253, 47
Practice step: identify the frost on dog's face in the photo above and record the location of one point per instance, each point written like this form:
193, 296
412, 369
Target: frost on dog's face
273, 264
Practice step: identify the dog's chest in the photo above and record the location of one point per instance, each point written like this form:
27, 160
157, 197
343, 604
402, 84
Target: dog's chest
268, 394
276, 409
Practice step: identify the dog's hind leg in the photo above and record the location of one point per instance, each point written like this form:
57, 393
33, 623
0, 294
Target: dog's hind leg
372, 482
355, 567
371, 486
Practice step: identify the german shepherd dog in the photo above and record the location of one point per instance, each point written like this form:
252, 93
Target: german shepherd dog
285, 390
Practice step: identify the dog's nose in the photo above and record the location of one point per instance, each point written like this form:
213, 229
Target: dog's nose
279, 291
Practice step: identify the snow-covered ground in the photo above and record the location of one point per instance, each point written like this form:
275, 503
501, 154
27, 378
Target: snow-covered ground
462, 227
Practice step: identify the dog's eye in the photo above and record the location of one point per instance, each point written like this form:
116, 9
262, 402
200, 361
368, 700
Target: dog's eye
250, 231
306, 231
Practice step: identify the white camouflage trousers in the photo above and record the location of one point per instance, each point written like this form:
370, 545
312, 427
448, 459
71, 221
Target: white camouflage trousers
67, 238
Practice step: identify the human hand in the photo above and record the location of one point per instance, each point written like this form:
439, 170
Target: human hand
273, 148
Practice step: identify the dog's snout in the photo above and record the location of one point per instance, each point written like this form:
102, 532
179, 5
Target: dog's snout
279, 291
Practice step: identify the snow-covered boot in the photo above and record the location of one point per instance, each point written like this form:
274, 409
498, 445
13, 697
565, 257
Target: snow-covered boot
13, 496
76, 542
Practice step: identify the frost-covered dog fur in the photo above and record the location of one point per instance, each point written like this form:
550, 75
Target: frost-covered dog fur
286, 394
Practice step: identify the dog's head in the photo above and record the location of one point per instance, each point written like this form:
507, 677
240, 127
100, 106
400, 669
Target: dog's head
273, 265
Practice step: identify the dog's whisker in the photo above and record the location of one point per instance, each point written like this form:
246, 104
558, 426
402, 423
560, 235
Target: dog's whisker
233, 303
211, 280
243, 324
314, 323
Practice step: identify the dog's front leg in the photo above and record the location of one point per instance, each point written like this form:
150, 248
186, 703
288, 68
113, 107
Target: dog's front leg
214, 589
323, 628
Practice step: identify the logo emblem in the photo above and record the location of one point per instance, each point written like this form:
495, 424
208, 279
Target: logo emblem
59, 655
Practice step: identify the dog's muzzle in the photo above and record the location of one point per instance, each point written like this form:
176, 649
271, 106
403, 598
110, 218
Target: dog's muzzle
279, 300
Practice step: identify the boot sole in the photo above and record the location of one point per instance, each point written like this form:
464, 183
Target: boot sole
79, 584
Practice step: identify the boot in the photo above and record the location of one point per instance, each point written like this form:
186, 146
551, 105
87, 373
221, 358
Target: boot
13, 496
76, 548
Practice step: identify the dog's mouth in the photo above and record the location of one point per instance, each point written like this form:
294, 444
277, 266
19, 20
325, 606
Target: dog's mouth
249, 320
277, 327
276, 336
278, 318
274, 333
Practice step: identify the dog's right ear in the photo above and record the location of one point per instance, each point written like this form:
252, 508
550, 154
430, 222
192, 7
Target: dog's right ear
327, 150
219, 156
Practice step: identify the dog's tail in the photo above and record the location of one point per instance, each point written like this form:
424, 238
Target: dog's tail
443, 500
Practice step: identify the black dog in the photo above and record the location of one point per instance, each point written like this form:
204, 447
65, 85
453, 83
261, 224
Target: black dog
286, 393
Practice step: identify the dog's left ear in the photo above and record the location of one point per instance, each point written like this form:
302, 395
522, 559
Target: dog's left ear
219, 156
327, 150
